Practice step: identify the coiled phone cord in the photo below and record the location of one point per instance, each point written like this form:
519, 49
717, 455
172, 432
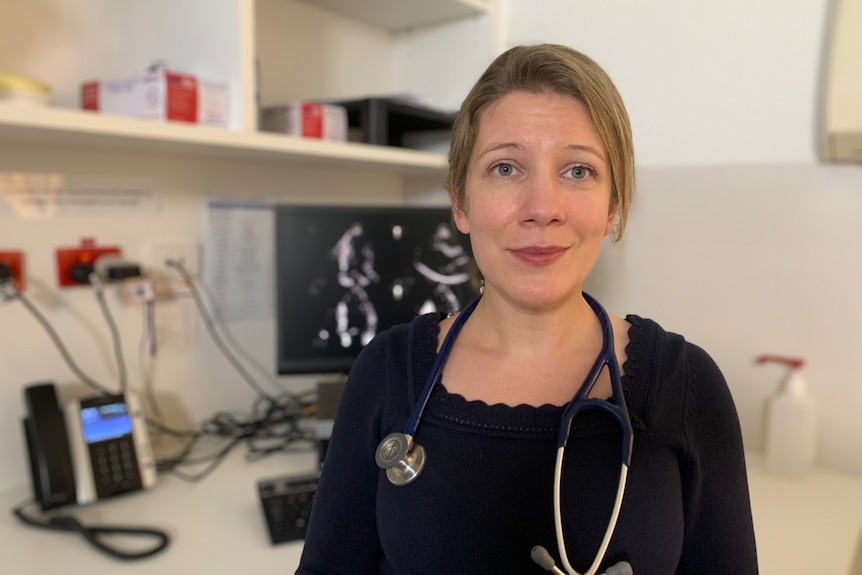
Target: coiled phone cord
94, 534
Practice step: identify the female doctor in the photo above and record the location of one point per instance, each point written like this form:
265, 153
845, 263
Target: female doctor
534, 431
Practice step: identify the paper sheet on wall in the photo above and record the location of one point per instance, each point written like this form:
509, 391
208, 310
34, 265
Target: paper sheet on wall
44, 196
239, 258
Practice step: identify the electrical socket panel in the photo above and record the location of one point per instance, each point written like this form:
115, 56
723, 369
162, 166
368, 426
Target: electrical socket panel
12, 265
176, 323
75, 264
175, 317
166, 278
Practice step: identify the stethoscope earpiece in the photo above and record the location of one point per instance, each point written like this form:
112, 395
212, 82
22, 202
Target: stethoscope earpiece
543, 559
402, 459
621, 568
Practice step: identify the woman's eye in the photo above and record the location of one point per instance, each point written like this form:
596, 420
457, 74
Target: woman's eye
580, 172
504, 170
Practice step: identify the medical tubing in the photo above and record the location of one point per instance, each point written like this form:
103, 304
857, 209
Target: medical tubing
558, 517
437, 369
617, 407
620, 411
581, 402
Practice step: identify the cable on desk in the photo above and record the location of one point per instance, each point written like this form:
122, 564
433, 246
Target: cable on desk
213, 460
95, 534
276, 421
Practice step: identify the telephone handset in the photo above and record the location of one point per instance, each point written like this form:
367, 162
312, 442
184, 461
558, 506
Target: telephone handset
93, 449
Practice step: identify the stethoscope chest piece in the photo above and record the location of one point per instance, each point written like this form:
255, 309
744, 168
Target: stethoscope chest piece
402, 459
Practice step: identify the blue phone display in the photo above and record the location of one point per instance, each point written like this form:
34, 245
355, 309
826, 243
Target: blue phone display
105, 422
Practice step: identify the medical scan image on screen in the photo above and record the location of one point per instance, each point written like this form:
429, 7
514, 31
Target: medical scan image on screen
346, 274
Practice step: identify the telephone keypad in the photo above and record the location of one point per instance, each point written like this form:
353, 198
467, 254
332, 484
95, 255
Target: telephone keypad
114, 466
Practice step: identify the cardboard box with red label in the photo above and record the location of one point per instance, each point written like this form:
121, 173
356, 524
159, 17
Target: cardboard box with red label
306, 119
160, 95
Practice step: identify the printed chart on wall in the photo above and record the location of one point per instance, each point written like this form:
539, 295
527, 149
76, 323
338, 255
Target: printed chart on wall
45, 196
239, 259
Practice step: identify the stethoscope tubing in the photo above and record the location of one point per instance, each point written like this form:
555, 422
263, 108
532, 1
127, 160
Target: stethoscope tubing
615, 405
437, 369
558, 517
621, 414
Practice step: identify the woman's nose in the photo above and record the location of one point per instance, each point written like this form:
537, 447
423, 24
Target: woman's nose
543, 200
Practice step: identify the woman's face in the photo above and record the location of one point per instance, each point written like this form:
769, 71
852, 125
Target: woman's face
538, 198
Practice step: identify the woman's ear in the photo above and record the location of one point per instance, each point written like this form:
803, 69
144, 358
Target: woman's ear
459, 214
612, 217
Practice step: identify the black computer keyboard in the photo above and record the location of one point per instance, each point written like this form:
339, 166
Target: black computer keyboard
286, 503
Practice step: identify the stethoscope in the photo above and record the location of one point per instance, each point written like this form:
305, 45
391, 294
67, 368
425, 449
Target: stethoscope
403, 458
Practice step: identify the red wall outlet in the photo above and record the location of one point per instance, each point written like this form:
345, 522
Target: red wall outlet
74, 265
12, 265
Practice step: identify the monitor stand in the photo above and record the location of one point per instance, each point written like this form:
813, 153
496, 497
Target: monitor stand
328, 397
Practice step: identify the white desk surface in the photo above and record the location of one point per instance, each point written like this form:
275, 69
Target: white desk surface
808, 525
216, 526
804, 526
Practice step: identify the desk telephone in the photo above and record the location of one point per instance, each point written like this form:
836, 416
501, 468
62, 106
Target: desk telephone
92, 449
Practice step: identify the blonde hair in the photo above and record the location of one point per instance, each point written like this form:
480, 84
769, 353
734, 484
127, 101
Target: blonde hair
557, 69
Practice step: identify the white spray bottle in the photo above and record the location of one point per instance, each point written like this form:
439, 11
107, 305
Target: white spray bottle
791, 422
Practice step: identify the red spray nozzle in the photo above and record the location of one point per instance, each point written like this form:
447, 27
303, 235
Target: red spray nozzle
792, 362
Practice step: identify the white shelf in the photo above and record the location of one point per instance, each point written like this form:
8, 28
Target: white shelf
21, 123
398, 15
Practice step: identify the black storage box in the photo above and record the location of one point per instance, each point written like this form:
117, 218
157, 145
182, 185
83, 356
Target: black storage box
386, 122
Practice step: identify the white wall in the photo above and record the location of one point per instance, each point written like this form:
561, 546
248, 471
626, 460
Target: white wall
439, 64
738, 239
305, 53
705, 82
752, 259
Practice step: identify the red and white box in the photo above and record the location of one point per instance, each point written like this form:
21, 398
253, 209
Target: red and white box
306, 119
160, 95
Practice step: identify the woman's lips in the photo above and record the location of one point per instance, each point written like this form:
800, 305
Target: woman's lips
539, 255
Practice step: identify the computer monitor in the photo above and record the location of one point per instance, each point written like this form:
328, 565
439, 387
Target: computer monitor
346, 273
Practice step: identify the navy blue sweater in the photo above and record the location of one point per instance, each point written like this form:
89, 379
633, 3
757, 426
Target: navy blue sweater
485, 496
